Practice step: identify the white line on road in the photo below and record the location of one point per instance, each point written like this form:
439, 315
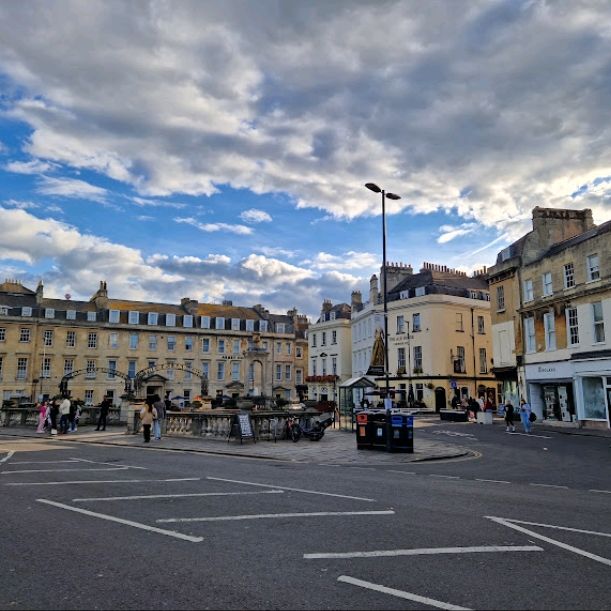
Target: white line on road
575, 530
261, 516
400, 594
171, 496
601, 491
105, 481
531, 435
111, 464
402, 472
342, 496
7, 456
493, 481
431, 551
549, 486
102, 516
444, 476
14, 471
42, 462
570, 548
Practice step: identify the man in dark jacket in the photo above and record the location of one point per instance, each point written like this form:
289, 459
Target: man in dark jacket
104, 409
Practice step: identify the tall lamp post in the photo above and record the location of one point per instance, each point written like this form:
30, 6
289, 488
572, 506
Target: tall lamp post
373, 187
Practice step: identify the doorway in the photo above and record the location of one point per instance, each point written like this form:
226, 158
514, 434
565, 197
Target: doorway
440, 398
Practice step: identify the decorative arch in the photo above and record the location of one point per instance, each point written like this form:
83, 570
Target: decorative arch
63, 384
145, 373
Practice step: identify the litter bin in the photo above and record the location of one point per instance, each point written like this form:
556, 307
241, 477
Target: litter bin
402, 439
378, 421
363, 431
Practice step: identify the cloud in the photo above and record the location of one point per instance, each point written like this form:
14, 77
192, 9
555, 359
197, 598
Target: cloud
276, 251
35, 166
212, 227
20, 204
71, 187
156, 203
449, 232
255, 216
348, 260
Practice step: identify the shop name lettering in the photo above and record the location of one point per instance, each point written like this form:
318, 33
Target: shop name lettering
546, 369
178, 366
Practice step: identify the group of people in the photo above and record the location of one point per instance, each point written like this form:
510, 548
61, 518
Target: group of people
527, 416
48, 412
152, 416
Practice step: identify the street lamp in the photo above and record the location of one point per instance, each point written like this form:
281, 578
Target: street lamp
373, 187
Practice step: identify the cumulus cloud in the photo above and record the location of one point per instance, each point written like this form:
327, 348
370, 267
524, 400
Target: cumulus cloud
255, 216
71, 187
348, 260
212, 227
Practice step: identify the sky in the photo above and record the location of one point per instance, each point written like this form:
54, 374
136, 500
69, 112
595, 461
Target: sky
219, 149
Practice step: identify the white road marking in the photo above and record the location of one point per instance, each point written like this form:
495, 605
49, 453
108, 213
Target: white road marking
7, 456
102, 516
14, 471
570, 548
402, 472
341, 496
400, 594
171, 496
107, 481
601, 491
111, 464
575, 530
42, 462
531, 435
431, 551
549, 486
262, 516
444, 476
493, 481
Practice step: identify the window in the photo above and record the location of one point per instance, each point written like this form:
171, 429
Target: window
313, 366
90, 369
235, 324
334, 365
113, 340
419, 392
133, 341
481, 328
549, 325
459, 361
594, 407
152, 342
459, 323
334, 337
188, 343
500, 298
313, 340
483, 361
49, 313
547, 284
572, 325
287, 372
26, 311
170, 372
298, 375
2, 334
323, 339
250, 324
278, 373
529, 334
114, 316
263, 325
24, 335
569, 276
416, 322
235, 370
400, 324
92, 340
45, 370
298, 352
70, 339
22, 368
220, 370
401, 358
332, 315
92, 316
278, 347
112, 367
205, 344
219, 323
131, 368
47, 338
280, 327
133, 318
89, 397
417, 359
171, 340
205, 322
420, 291
68, 366
188, 373
235, 346
205, 369
187, 321
152, 318
599, 323
288, 348
220, 346
323, 366
529, 292
170, 320
151, 363
593, 269
70, 314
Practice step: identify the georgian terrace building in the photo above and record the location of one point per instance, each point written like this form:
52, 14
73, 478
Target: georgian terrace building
104, 346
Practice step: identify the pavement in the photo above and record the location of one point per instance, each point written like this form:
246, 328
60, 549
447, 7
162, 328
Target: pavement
336, 447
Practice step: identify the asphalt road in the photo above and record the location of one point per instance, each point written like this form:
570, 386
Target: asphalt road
527, 525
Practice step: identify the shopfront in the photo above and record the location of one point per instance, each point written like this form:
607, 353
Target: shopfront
551, 390
593, 391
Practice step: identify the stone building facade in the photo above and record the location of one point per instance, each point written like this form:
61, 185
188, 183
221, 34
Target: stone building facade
107, 346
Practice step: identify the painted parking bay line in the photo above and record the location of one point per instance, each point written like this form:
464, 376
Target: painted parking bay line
7, 457
17, 471
103, 516
431, 602
427, 551
170, 496
574, 530
105, 481
263, 516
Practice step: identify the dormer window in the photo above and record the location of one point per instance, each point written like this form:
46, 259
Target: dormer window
205, 322
263, 325
220, 322
187, 321
331, 315
92, 316
134, 317
26, 311
49, 313
114, 316
152, 318
280, 327
70, 314
250, 324
420, 291
170, 320
235, 324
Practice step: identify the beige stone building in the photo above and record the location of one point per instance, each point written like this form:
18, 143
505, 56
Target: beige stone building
107, 346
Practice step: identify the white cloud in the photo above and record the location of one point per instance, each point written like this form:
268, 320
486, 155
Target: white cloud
449, 232
274, 271
35, 166
20, 204
156, 203
213, 227
71, 187
348, 260
276, 251
255, 216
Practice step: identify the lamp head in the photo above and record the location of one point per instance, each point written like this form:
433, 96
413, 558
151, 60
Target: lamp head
392, 196
373, 187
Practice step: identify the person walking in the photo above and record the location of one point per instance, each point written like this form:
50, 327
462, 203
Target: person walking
148, 414
42, 416
53, 413
525, 411
159, 405
104, 409
64, 415
509, 418
74, 416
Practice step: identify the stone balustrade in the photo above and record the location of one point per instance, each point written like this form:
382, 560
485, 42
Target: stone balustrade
28, 416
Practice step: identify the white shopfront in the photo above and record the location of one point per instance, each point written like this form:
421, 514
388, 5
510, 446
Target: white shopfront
551, 390
593, 390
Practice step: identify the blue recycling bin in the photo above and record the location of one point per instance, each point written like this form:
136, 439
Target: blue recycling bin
402, 433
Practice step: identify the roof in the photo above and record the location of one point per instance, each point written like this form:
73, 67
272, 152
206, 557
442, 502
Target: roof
578, 239
358, 382
14, 287
439, 282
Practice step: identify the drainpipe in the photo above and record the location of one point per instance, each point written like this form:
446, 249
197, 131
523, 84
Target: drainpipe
474, 359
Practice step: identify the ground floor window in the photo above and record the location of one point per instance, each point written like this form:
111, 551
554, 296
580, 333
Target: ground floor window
89, 397
594, 403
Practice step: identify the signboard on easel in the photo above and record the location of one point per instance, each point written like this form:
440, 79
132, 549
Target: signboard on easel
242, 427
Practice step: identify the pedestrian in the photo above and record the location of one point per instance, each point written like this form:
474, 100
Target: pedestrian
64, 415
74, 416
42, 416
525, 412
53, 413
509, 418
148, 414
104, 409
159, 405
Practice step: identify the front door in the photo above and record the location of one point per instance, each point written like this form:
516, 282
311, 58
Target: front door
563, 402
440, 398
